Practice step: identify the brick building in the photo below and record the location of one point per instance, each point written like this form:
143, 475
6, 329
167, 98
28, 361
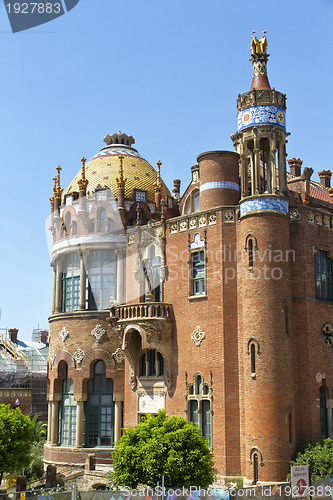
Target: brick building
216, 305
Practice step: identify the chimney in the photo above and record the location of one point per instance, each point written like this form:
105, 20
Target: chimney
176, 189
13, 334
325, 178
43, 336
295, 165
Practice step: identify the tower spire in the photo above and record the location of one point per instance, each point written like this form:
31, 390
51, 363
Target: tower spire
259, 59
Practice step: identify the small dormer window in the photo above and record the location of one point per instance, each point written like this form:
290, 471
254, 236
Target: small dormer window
101, 195
140, 195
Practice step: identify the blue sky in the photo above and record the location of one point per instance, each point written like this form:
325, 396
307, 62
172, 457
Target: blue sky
167, 72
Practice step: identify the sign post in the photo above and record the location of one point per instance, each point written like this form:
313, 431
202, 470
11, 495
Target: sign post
300, 481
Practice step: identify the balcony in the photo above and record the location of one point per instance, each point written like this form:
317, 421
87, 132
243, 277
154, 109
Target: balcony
145, 311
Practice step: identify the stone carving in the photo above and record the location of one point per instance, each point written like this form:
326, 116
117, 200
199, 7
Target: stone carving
319, 219
193, 223
307, 172
52, 356
183, 225
202, 221
197, 336
63, 334
118, 355
295, 214
98, 332
327, 332
173, 228
131, 239
160, 231
229, 215
78, 356
212, 219
311, 217
314, 247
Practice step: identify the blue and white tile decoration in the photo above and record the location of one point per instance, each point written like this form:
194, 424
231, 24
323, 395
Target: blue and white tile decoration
219, 184
261, 115
121, 150
275, 204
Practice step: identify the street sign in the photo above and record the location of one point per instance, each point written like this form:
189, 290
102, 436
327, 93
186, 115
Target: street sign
300, 481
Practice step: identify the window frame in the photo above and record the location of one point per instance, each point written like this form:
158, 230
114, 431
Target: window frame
201, 281
322, 260
67, 419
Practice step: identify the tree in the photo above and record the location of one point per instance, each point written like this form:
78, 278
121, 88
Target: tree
35, 469
319, 455
16, 437
39, 428
161, 445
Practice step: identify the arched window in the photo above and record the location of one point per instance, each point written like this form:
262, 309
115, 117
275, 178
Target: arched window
99, 408
71, 283
193, 202
250, 243
101, 221
67, 413
323, 412
253, 359
199, 384
255, 468
323, 276
286, 321
196, 201
199, 405
290, 427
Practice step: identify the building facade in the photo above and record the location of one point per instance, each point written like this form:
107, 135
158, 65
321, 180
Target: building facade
215, 305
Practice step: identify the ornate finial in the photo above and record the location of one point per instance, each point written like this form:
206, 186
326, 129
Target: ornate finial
120, 180
259, 59
83, 182
158, 183
54, 186
259, 46
58, 190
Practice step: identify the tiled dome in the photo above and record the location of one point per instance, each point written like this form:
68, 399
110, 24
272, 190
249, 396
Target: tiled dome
103, 169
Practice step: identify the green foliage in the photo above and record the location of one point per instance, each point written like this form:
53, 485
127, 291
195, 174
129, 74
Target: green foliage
35, 469
161, 445
39, 427
319, 455
16, 437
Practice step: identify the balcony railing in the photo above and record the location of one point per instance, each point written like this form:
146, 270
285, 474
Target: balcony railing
146, 310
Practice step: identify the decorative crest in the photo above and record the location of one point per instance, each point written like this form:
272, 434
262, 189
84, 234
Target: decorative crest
83, 182
120, 180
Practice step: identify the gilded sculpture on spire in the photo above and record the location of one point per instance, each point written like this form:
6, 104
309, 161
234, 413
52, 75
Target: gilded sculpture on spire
259, 46
58, 190
121, 181
83, 182
158, 183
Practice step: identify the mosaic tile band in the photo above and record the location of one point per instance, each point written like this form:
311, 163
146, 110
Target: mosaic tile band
219, 184
258, 204
261, 115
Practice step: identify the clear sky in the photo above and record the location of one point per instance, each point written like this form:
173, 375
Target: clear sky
167, 72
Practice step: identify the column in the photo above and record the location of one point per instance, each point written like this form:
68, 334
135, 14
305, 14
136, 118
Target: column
282, 167
79, 423
120, 252
273, 164
54, 423
267, 153
118, 401
49, 420
252, 173
53, 264
256, 166
58, 290
246, 172
82, 304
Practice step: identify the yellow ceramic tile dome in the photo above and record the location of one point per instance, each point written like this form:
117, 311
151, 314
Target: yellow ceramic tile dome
103, 169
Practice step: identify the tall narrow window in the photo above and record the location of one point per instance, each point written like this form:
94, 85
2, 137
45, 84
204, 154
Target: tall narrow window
253, 359
198, 273
286, 320
199, 405
99, 409
194, 414
102, 278
199, 384
250, 243
71, 283
255, 468
323, 276
206, 431
101, 221
67, 414
323, 412
196, 201
151, 364
290, 425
